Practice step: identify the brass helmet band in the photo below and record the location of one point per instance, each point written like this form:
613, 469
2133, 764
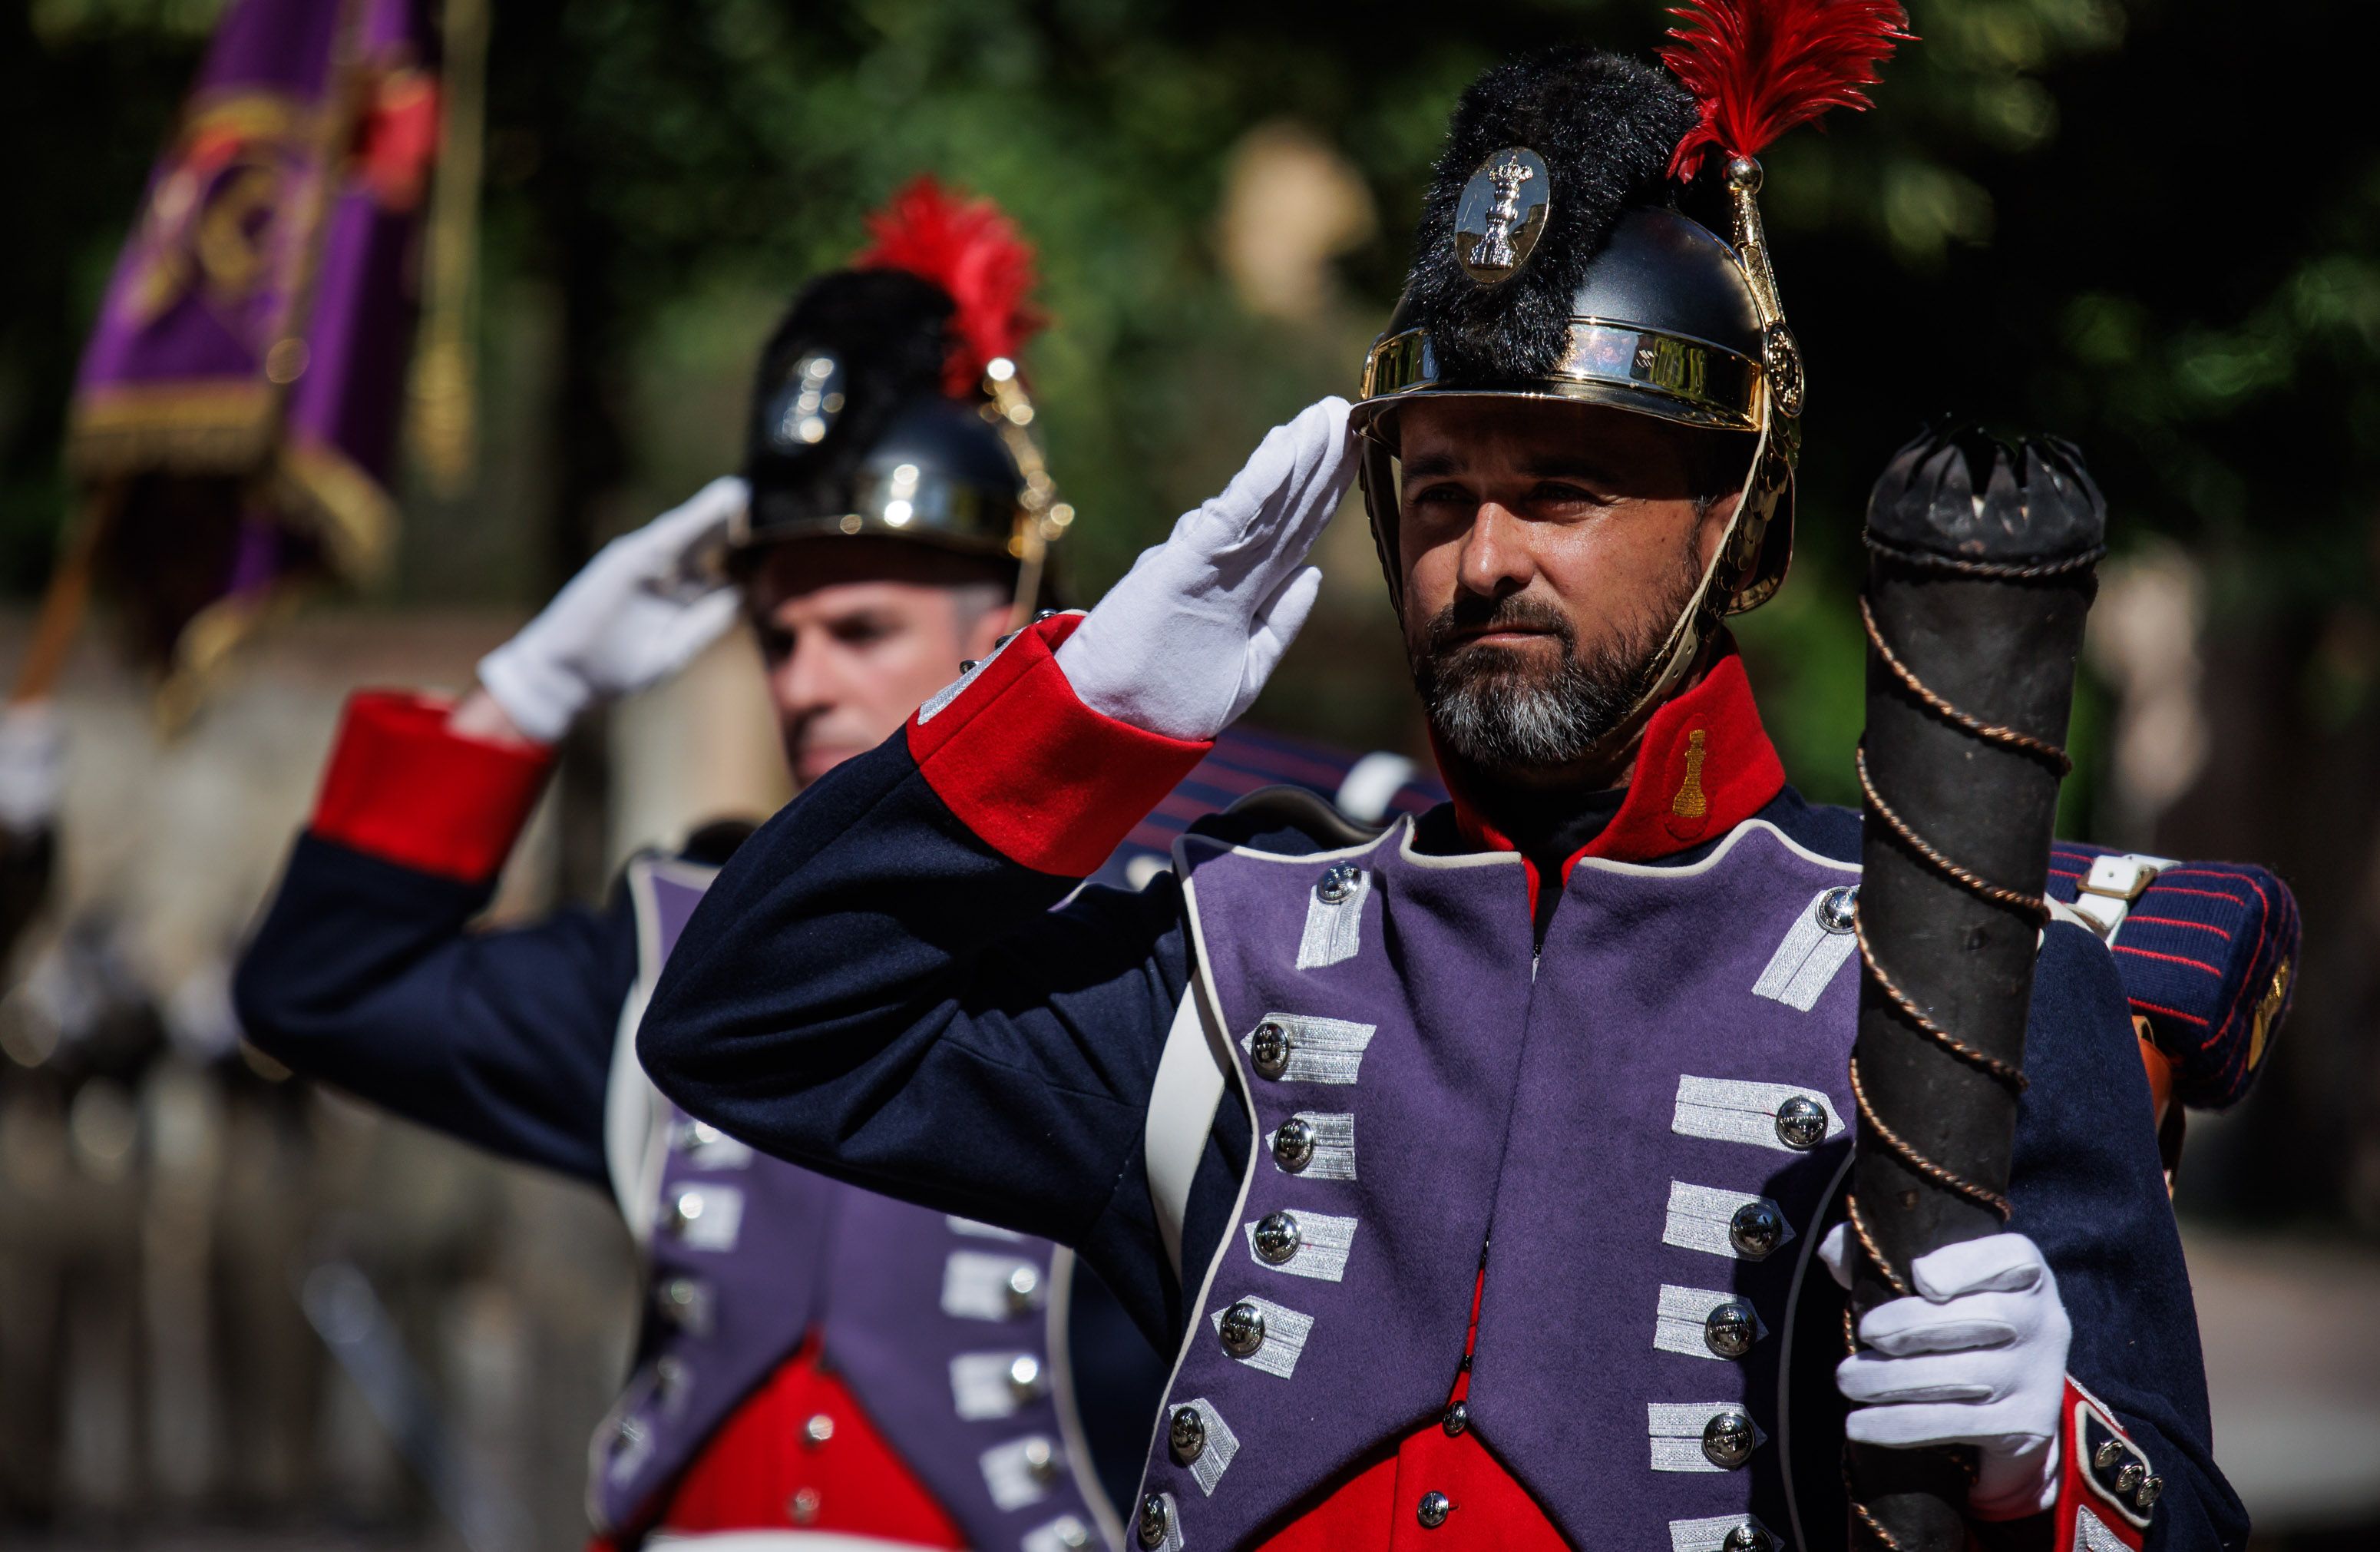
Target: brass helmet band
1625, 365
907, 501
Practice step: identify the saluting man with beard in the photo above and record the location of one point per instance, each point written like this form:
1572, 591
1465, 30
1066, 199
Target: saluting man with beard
1476, 1171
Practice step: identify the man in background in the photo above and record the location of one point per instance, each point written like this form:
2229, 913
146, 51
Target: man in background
816, 1360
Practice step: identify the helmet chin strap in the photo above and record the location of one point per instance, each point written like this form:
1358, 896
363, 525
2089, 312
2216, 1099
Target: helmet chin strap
1041, 518
1732, 565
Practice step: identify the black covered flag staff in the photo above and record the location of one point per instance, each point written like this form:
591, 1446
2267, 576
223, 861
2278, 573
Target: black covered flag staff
1982, 560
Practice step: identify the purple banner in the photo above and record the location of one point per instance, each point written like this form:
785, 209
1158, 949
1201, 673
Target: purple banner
246, 374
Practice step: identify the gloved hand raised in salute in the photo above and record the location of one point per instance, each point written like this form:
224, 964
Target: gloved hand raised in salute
640, 611
1181, 645
1976, 1356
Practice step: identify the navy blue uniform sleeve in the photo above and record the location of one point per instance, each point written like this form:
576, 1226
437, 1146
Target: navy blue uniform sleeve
2089, 1189
871, 990
366, 974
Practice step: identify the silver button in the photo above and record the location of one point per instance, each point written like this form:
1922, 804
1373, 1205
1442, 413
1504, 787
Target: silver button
966, 665
685, 1302
1838, 907
818, 1429
1727, 1439
2131, 1476
1730, 1329
1156, 1519
1457, 1418
1243, 1330
2108, 1453
1293, 1145
804, 1506
1433, 1510
1756, 1228
1801, 1122
1186, 1432
1040, 1460
1069, 1531
1338, 882
684, 1210
1025, 1378
2150, 1491
1276, 1238
670, 1371
1748, 1538
1023, 1285
1270, 1049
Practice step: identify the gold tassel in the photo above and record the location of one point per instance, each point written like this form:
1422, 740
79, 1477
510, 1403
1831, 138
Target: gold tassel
443, 419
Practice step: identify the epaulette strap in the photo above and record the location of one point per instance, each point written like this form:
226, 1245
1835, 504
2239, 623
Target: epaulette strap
2207, 950
1296, 808
1373, 790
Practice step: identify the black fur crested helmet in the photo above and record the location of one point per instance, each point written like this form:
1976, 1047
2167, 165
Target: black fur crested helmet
1554, 261
889, 401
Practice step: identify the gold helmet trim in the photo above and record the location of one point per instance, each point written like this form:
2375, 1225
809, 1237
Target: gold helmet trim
1606, 361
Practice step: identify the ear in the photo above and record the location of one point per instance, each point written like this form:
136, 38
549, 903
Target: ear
1711, 525
979, 637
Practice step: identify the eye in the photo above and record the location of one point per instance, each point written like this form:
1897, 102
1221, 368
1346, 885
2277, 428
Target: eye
1442, 497
1563, 493
776, 643
859, 630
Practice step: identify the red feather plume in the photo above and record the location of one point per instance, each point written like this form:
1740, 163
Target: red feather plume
1761, 67
971, 249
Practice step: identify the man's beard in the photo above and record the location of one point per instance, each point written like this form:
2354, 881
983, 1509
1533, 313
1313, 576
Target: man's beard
1502, 712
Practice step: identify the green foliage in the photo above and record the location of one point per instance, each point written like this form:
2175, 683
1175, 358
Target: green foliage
2051, 218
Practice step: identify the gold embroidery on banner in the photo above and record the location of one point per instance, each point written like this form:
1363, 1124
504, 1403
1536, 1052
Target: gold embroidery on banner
1690, 804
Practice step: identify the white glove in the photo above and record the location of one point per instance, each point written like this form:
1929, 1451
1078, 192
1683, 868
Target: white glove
1977, 1357
1181, 645
32, 756
636, 615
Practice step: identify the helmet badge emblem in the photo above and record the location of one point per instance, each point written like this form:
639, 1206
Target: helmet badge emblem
805, 405
1502, 214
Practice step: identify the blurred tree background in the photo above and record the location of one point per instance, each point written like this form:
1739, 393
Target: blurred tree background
2121, 220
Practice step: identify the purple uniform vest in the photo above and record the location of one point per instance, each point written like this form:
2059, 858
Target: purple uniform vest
1641, 1126
950, 1334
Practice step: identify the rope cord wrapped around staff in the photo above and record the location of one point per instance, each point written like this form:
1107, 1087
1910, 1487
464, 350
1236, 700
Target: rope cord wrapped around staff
1980, 577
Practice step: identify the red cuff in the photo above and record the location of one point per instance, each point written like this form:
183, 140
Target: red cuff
2106, 1489
404, 788
1039, 777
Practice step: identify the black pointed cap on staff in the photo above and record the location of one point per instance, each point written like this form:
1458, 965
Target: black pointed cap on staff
1965, 494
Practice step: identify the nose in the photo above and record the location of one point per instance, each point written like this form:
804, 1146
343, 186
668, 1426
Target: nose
1496, 558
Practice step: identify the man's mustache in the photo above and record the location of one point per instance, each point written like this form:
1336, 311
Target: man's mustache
1473, 614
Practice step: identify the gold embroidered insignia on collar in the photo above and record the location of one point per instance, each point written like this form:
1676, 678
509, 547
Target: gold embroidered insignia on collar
1690, 804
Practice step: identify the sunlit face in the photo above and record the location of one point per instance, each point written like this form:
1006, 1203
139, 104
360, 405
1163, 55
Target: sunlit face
1547, 548
855, 633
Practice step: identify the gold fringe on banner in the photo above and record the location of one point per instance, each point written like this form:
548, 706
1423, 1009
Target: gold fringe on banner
444, 421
